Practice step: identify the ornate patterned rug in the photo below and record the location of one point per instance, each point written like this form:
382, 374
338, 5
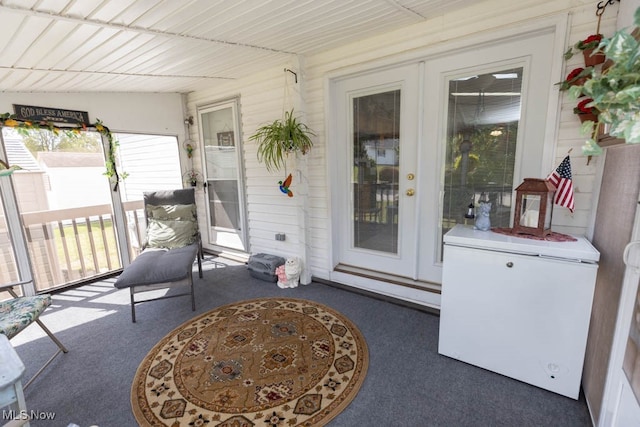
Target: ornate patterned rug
264, 362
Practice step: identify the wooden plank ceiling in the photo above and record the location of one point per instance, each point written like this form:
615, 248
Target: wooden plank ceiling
179, 45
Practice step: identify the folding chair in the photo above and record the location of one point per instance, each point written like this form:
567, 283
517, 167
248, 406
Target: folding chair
19, 312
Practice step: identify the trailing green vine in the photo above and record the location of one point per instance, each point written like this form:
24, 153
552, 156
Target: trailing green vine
24, 126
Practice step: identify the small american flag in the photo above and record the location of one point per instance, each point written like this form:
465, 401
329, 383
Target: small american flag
561, 179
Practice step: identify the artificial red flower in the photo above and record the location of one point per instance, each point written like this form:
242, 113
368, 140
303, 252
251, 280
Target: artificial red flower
590, 42
582, 108
573, 74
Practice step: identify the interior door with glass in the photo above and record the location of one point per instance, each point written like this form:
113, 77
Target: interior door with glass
219, 134
485, 124
377, 127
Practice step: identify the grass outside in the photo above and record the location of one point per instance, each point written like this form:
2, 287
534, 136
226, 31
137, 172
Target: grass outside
102, 255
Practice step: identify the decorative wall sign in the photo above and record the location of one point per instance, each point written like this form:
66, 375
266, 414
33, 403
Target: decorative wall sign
225, 139
47, 114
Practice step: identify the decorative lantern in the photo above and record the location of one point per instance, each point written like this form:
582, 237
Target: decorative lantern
534, 207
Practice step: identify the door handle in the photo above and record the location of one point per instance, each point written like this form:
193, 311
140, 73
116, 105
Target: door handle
410, 192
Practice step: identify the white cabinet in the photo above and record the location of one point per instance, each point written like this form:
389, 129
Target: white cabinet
518, 307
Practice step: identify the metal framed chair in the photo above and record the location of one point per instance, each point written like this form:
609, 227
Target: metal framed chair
18, 313
172, 244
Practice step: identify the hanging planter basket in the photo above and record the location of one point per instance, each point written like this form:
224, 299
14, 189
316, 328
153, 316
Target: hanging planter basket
588, 116
280, 138
585, 112
591, 59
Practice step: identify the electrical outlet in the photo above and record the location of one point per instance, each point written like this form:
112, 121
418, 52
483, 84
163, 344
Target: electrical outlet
280, 237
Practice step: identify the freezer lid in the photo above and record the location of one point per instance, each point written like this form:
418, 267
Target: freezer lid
465, 235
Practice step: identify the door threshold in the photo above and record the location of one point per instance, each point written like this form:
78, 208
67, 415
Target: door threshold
376, 295
232, 254
390, 278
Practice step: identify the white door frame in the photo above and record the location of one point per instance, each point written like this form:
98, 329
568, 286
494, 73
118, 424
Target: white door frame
618, 401
533, 57
234, 104
557, 24
405, 79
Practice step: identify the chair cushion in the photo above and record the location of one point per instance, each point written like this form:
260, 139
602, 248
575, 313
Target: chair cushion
183, 196
182, 212
171, 225
169, 233
155, 265
18, 313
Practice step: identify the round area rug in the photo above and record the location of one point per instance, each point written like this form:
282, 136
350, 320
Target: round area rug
264, 362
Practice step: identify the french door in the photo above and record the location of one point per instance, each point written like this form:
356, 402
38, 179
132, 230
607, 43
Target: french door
416, 145
377, 166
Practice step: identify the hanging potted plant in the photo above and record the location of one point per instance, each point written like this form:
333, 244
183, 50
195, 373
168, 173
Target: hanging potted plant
192, 178
615, 90
585, 111
280, 138
588, 47
577, 77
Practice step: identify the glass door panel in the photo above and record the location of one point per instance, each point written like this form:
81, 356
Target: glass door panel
375, 166
376, 145
477, 104
482, 129
222, 160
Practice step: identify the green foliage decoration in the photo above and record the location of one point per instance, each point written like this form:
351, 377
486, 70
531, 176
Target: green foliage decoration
24, 127
615, 90
590, 42
276, 140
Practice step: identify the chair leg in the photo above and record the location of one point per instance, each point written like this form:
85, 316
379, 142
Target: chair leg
61, 349
53, 337
193, 295
133, 306
200, 259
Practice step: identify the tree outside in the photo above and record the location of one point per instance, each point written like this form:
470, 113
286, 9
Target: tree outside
39, 140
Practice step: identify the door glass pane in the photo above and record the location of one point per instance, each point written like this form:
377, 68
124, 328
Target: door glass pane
482, 127
376, 148
225, 207
222, 168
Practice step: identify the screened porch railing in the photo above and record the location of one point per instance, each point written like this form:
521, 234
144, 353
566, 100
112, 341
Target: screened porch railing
68, 245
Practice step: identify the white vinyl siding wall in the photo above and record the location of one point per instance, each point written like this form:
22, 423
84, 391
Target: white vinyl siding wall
261, 101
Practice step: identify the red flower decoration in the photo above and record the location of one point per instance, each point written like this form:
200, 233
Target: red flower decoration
582, 108
573, 74
593, 38
590, 42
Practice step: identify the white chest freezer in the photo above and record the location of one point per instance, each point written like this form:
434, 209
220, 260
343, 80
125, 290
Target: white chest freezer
517, 306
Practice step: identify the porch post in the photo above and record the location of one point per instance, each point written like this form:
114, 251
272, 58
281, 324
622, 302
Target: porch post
119, 217
301, 179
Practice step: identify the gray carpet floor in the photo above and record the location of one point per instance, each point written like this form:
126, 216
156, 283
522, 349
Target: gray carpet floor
408, 383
